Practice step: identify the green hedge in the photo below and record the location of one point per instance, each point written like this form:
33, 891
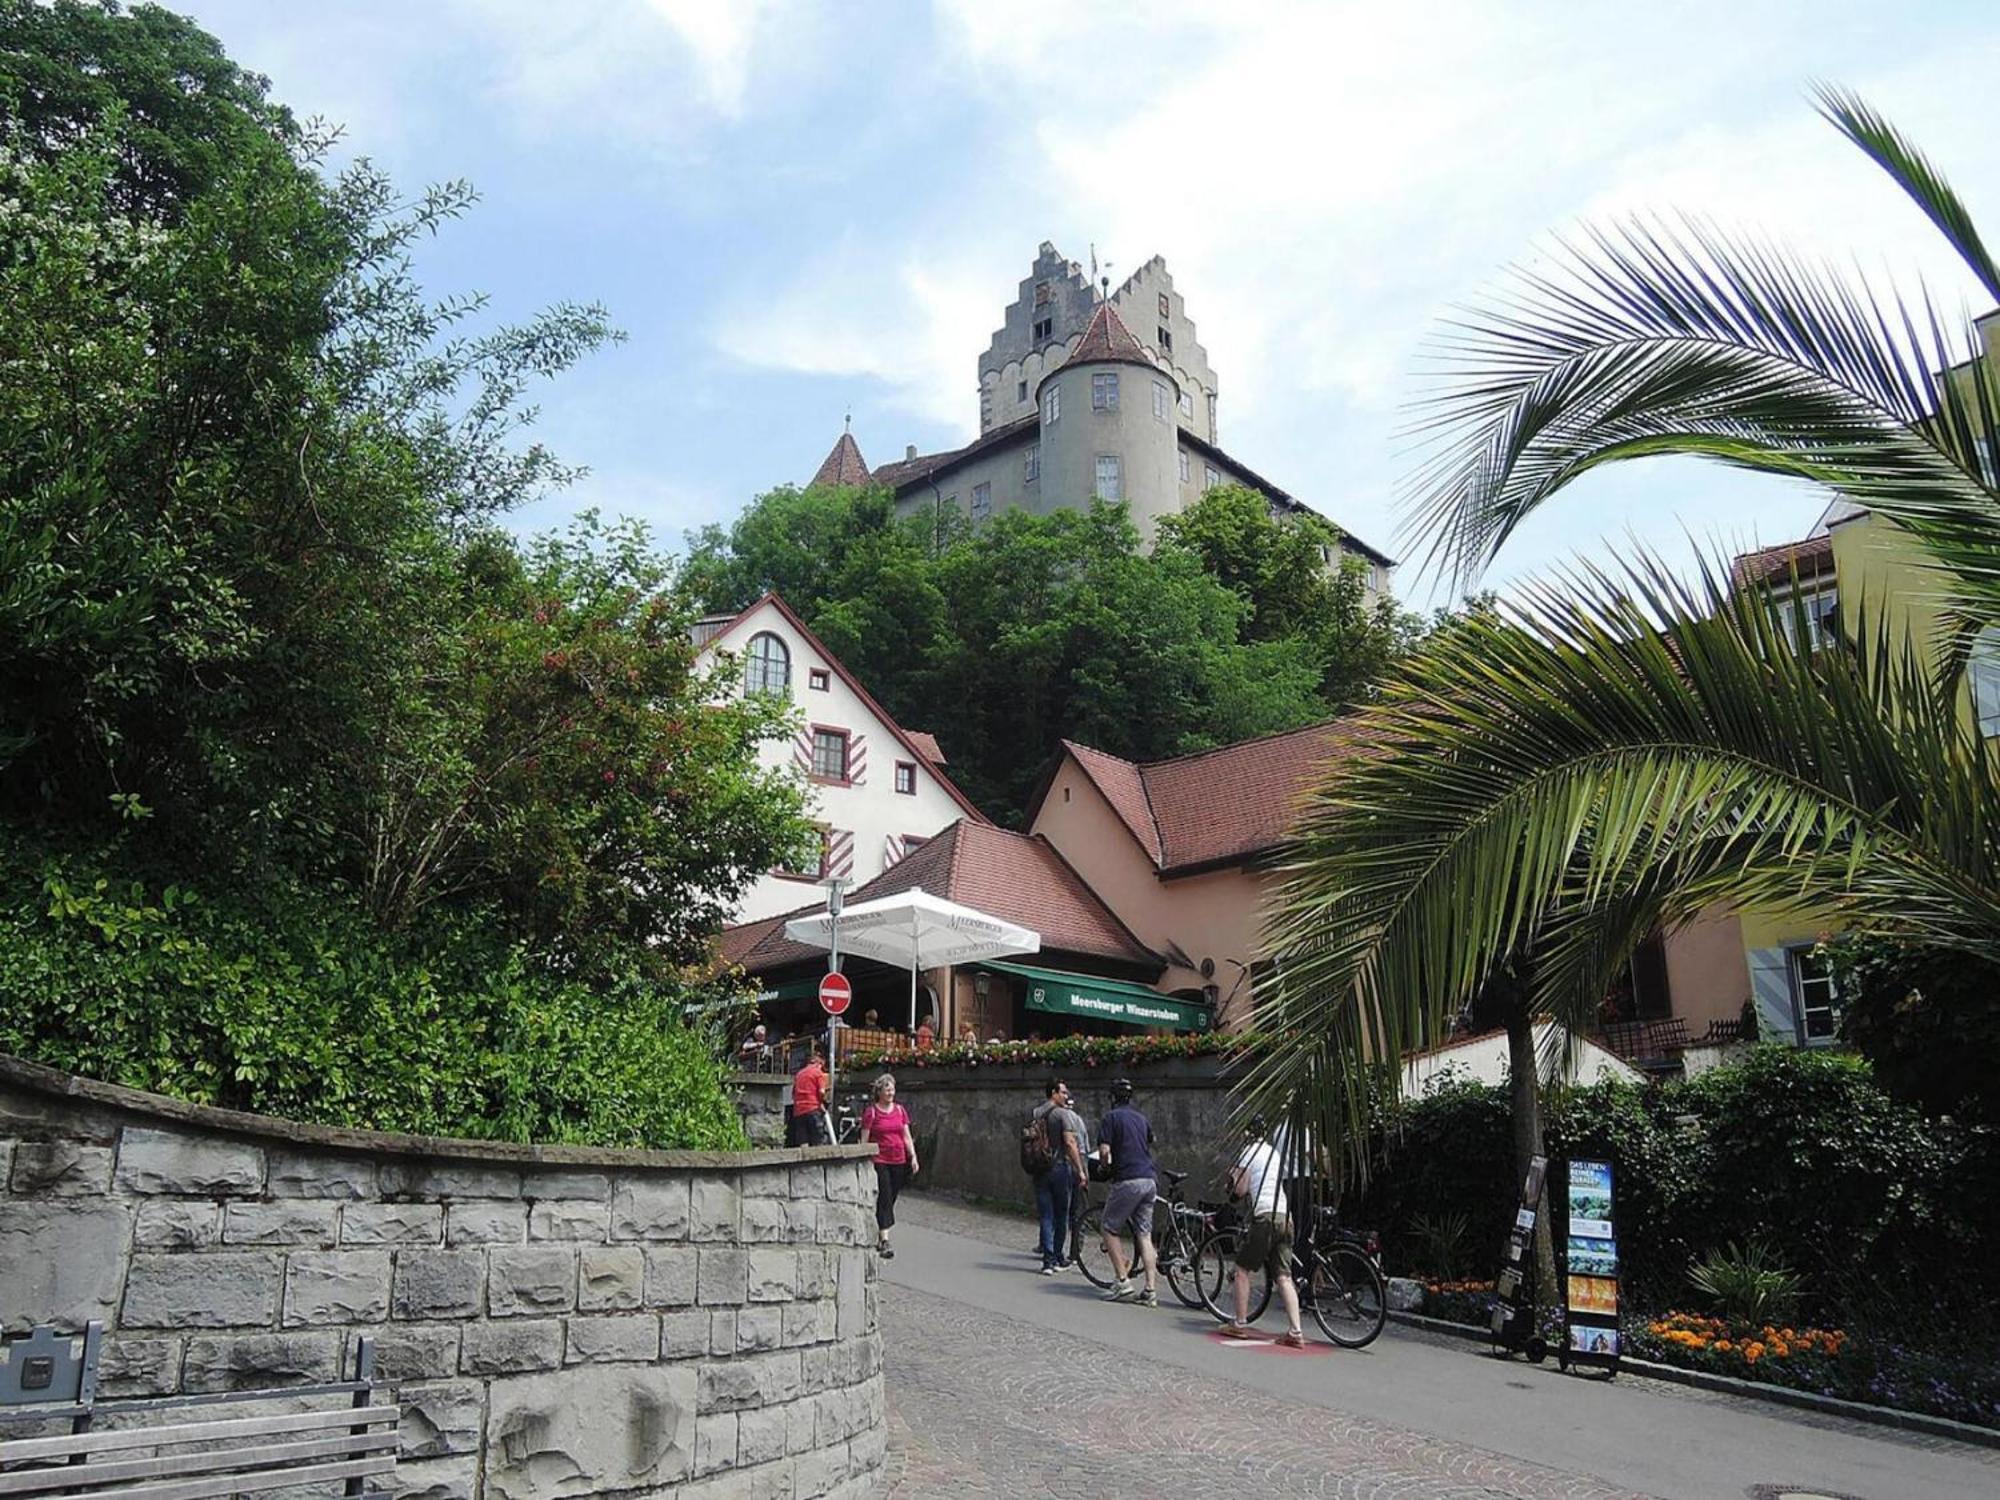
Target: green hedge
294, 1003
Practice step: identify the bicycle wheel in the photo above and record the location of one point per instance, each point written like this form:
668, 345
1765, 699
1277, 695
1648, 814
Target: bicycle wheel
1176, 1252
1087, 1247
1215, 1275
1349, 1299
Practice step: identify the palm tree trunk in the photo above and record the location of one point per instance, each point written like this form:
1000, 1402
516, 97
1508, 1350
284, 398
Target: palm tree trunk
1524, 1084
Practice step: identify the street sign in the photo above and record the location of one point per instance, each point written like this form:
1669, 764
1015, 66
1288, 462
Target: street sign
834, 993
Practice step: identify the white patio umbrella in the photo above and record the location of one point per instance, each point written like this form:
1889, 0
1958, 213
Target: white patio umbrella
915, 930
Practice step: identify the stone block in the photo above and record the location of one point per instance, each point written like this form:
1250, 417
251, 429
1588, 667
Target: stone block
807, 1323
809, 1183
166, 1161
336, 1286
850, 1296
765, 1482
588, 1431
442, 1419
203, 1291
239, 1361
846, 1224
524, 1279
287, 1222
870, 1444
511, 1347
799, 1426
420, 1351
446, 1179
392, 1224
749, 1380
1405, 1294
817, 1472
486, 1221
564, 1184
684, 1334
714, 1442
570, 1219
722, 1278
844, 1183
60, 1169
713, 1209
439, 1284
773, 1275
310, 1174
62, 1262
139, 1367
760, 1328
610, 1278
802, 1221
765, 1221
816, 1368
670, 1277
438, 1479
765, 1182
633, 1337
722, 1331
177, 1224
815, 1273
649, 1208
760, 1436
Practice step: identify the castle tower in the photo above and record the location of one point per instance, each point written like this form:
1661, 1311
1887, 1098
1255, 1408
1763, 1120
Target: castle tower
1108, 423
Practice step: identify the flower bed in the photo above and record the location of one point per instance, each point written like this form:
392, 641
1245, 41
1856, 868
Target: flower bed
1066, 1051
1459, 1301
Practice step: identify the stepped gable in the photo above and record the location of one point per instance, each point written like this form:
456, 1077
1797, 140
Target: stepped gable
1014, 876
843, 466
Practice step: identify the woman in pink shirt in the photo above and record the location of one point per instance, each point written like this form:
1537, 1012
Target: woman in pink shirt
887, 1124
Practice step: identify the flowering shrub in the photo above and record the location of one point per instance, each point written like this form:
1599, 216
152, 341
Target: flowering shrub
1459, 1301
1066, 1051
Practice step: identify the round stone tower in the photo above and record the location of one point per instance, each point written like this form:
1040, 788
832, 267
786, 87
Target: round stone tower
1107, 426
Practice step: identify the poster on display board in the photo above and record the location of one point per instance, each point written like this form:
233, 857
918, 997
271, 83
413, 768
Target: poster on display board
1592, 1333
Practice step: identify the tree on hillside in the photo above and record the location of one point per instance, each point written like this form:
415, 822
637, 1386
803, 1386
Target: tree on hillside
1622, 749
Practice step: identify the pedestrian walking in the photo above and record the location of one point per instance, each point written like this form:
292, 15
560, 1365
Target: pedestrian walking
1056, 1186
809, 1122
887, 1124
1125, 1142
1258, 1179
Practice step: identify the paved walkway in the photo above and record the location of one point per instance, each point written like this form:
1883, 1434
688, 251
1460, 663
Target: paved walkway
1002, 1382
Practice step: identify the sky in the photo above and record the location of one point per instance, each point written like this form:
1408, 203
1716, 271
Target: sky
800, 210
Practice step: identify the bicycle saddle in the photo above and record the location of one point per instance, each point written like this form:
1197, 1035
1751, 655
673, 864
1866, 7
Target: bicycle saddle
1174, 1179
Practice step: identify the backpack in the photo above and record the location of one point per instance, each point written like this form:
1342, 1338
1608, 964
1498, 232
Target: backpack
1036, 1155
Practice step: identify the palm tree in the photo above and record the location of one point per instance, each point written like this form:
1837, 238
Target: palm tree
1621, 747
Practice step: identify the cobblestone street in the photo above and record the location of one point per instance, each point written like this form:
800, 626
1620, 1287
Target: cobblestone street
1020, 1386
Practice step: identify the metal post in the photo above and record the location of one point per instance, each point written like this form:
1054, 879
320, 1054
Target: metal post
835, 885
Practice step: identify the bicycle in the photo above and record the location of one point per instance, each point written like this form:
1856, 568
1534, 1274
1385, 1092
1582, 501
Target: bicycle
1337, 1272
1178, 1230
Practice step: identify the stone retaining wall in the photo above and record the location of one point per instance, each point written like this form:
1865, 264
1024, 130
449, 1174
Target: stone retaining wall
558, 1322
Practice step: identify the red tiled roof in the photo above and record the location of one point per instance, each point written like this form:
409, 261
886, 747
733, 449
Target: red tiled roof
843, 465
1010, 875
903, 736
1808, 558
1215, 807
1106, 340
928, 744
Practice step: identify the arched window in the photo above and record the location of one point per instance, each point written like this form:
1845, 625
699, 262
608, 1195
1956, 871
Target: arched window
767, 666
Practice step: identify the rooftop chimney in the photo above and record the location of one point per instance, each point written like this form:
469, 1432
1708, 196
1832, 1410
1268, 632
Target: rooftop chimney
909, 452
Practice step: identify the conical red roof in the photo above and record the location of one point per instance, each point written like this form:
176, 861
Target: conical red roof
844, 465
1108, 341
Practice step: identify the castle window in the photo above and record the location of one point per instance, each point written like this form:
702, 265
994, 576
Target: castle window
1165, 311
1104, 391
1020, 390
906, 777
1210, 476
1166, 340
1052, 406
830, 755
819, 679
1162, 401
1044, 329
1186, 467
1110, 477
982, 501
767, 665
1031, 464
1187, 405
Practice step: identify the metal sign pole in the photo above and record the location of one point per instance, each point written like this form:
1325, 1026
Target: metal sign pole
835, 885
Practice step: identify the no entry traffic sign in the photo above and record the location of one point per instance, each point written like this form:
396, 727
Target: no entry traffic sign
834, 993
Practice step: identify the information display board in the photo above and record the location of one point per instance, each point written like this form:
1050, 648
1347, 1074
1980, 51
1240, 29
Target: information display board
1592, 1333
1514, 1291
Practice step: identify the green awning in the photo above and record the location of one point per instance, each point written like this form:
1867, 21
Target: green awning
793, 989
1061, 994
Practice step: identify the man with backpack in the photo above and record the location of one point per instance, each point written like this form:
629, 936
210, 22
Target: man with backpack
1052, 1153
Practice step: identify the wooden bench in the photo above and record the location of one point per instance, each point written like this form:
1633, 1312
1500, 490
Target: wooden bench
184, 1447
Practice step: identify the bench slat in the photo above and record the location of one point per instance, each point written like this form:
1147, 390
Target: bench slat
195, 1432
232, 1484
214, 1461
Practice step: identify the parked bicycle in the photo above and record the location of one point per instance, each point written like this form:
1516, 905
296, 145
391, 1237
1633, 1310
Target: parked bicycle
1338, 1273
847, 1120
1179, 1228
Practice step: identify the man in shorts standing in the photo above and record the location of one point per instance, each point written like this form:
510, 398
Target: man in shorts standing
1258, 1178
1125, 1140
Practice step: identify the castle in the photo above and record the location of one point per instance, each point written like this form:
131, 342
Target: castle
1074, 405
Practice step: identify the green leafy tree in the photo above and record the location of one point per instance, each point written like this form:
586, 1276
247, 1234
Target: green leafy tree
1621, 750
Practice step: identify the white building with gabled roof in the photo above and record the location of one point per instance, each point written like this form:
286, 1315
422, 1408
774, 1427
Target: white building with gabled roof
876, 789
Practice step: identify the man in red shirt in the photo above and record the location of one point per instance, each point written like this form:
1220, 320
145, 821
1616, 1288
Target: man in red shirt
809, 1126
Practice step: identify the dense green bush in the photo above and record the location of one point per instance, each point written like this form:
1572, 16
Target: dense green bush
295, 1003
